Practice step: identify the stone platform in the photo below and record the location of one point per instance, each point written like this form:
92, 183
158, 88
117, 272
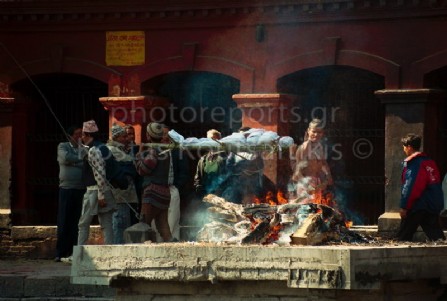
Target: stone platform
37, 279
197, 271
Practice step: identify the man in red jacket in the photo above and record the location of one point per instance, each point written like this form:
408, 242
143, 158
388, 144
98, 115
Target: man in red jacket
421, 199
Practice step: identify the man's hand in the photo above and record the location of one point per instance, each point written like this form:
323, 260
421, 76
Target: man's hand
102, 203
403, 213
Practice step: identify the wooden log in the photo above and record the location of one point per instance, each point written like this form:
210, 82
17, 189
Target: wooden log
222, 203
216, 231
223, 214
252, 209
259, 233
308, 233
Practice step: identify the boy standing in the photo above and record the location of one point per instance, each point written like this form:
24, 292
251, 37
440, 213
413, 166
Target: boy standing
421, 199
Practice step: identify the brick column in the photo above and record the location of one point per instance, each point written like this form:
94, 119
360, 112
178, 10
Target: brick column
415, 111
135, 110
269, 112
6, 106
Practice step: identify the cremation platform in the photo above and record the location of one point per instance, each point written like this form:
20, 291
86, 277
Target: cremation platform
210, 271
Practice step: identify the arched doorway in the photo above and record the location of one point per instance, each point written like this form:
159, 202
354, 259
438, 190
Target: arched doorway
199, 101
437, 79
36, 134
344, 98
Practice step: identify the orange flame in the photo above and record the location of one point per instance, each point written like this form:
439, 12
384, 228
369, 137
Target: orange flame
348, 223
281, 198
271, 199
323, 198
257, 201
274, 234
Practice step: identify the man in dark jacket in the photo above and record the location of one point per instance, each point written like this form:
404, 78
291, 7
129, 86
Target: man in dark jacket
422, 199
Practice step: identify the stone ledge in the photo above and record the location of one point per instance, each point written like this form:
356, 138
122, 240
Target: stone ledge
322, 267
5, 218
34, 242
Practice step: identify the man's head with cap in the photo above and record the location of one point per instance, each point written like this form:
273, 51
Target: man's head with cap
118, 133
90, 127
154, 131
89, 131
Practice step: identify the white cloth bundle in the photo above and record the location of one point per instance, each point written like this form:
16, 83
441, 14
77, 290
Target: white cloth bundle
191, 141
254, 135
268, 137
176, 137
286, 141
208, 142
235, 139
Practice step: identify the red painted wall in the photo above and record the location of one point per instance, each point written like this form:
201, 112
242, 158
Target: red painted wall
393, 43
399, 41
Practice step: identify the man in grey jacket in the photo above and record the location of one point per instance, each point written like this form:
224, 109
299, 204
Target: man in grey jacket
71, 192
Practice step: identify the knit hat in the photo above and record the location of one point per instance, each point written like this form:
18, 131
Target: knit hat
155, 130
90, 127
117, 131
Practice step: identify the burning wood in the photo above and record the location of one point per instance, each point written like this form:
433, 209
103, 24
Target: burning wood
258, 234
216, 231
308, 224
224, 204
308, 227
222, 214
309, 232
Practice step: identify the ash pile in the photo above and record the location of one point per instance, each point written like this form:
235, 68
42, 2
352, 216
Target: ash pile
286, 224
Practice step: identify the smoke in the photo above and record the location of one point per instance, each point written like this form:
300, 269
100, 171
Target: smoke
343, 198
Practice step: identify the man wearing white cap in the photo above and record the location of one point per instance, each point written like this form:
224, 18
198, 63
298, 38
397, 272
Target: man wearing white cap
98, 199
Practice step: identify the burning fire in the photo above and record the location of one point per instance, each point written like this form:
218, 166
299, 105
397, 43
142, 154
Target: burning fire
271, 199
281, 198
324, 198
348, 224
274, 234
264, 223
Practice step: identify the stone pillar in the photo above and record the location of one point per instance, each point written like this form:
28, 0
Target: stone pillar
406, 111
269, 112
6, 106
135, 110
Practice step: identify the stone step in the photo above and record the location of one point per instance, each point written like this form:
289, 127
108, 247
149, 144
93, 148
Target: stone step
45, 280
35, 242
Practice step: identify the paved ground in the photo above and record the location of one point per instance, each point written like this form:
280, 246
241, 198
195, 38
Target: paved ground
46, 280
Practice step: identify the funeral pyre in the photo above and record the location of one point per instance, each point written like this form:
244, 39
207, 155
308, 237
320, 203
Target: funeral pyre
306, 224
267, 221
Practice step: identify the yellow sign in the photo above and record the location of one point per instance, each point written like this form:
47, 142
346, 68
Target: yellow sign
125, 48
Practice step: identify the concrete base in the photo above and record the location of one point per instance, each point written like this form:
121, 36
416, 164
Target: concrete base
37, 242
205, 271
5, 218
389, 222
40, 280
425, 290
